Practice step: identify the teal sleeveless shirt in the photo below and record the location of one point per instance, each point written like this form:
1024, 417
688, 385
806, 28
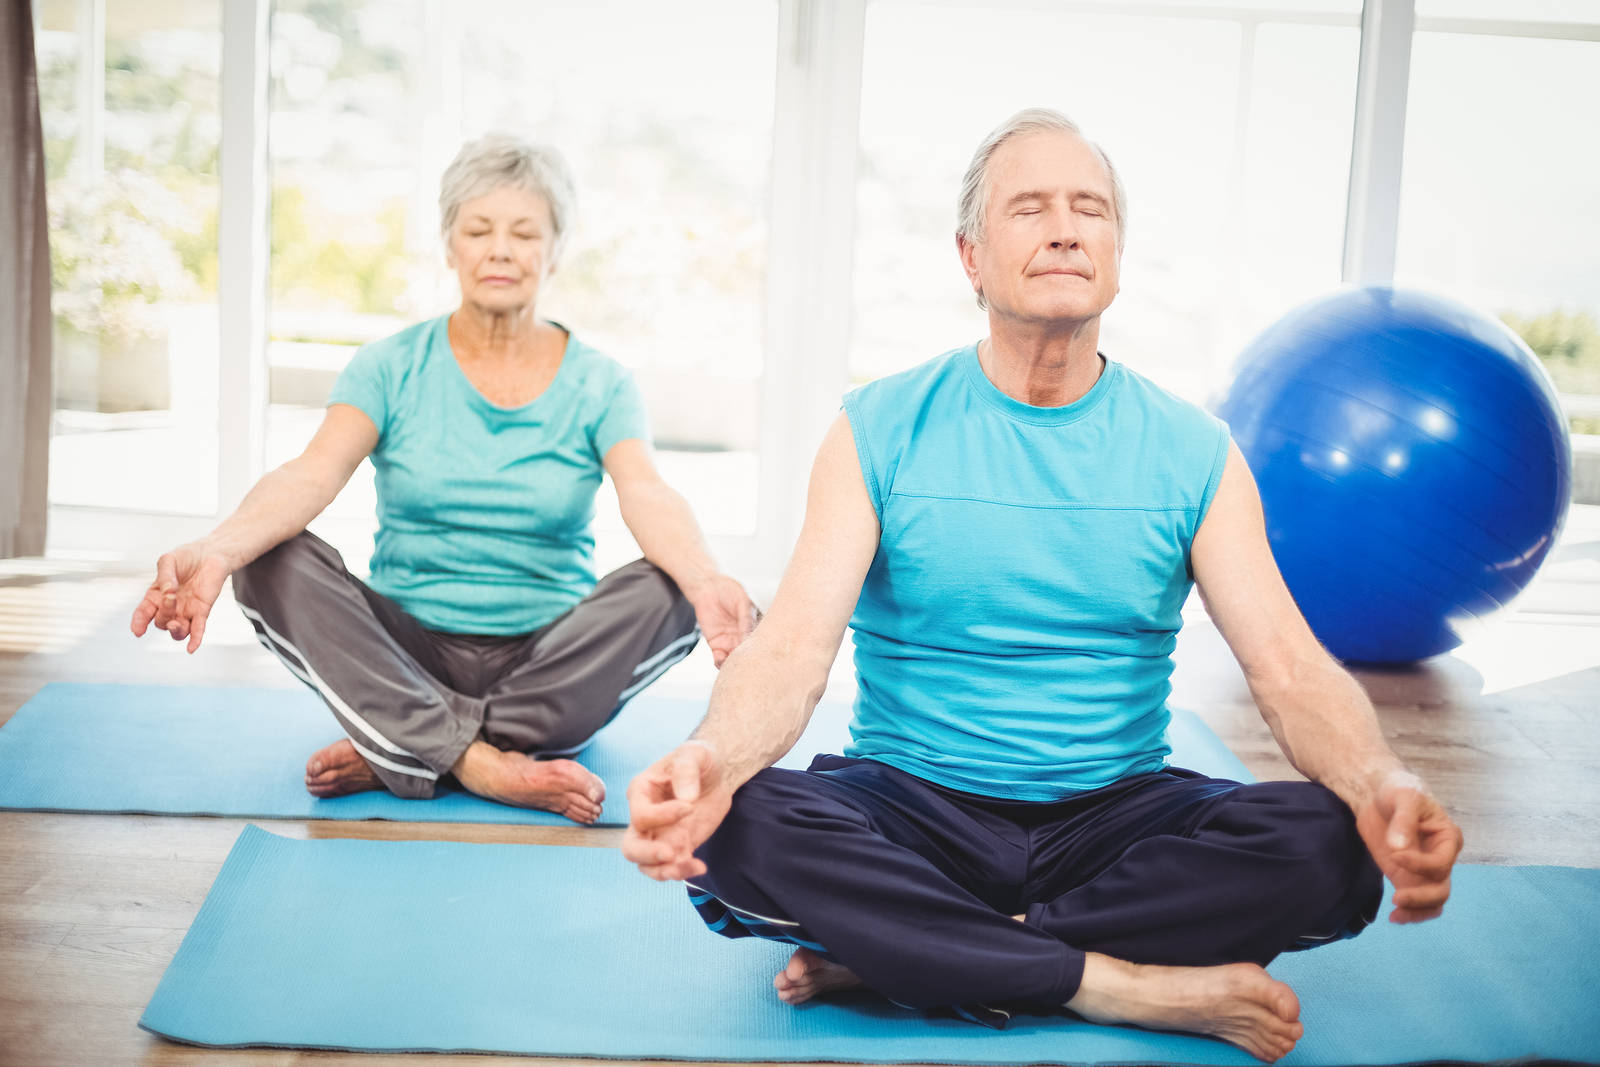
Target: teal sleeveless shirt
1014, 633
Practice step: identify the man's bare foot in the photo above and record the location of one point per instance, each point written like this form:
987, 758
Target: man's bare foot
559, 785
808, 974
337, 770
1238, 1002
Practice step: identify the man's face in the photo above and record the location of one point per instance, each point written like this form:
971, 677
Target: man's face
1049, 248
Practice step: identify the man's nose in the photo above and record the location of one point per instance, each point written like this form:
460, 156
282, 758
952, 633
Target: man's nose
1066, 235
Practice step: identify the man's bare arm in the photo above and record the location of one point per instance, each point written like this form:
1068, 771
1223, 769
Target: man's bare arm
770, 684
1319, 714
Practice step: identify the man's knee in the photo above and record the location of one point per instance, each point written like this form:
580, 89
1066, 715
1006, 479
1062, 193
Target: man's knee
1332, 868
762, 831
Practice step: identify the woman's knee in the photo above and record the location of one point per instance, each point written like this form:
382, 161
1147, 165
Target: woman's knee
649, 586
304, 552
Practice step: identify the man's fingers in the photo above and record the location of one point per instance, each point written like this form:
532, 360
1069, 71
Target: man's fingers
1432, 864
1426, 895
654, 815
675, 872
1403, 821
1403, 916
686, 764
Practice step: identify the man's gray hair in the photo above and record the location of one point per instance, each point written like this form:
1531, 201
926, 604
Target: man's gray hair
497, 160
971, 208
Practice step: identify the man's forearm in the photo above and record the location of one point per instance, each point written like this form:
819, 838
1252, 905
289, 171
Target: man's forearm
661, 520
1326, 725
762, 700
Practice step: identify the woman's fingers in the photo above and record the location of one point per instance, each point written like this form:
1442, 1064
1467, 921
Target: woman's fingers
146, 610
199, 627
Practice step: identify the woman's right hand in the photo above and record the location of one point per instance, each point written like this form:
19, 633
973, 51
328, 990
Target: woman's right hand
188, 581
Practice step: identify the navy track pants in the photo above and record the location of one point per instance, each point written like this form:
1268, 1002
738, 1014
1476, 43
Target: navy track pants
914, 886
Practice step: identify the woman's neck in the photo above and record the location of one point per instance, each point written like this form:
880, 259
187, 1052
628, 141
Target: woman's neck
492, 332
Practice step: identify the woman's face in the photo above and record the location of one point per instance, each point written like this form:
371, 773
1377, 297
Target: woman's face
500, 248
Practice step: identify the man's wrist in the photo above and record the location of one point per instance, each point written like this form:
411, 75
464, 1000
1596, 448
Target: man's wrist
1390, 773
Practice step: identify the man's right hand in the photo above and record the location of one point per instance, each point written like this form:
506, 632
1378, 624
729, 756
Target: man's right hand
675, 805
188, 581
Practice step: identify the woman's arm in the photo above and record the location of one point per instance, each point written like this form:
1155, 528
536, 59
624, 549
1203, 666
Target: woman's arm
661, 521
280, 505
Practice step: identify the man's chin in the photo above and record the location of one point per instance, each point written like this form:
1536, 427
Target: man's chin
1058, 312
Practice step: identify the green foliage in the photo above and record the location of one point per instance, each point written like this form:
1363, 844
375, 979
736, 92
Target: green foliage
1567, 343
112, 258
319, 261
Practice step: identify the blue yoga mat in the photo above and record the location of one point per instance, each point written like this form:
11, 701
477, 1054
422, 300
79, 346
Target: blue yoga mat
192, 750
560, 951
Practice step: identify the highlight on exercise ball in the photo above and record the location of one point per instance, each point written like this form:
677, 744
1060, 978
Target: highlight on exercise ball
1413, 461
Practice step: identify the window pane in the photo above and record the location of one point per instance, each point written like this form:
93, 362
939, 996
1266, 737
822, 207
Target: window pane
1580, 11
669, 129
354, 257
131, 145
1231, 134
1499, 206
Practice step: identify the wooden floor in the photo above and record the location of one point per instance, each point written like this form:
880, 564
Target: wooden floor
92, 908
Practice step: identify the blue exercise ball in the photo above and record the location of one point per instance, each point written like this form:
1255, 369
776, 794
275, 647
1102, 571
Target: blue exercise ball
1413, 461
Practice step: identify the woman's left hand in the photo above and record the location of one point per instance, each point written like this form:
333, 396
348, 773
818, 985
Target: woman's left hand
725, 613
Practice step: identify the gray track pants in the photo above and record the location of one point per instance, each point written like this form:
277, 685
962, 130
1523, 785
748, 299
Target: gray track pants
413, 699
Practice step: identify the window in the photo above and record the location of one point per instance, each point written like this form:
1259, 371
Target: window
1231, 133
1499, 206
130, 113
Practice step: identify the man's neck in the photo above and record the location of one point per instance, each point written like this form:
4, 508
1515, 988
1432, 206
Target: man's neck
1045, 366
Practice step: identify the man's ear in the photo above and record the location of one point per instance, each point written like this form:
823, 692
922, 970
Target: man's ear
968, 251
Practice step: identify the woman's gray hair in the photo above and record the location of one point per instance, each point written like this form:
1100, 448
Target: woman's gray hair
970, 209
497, 160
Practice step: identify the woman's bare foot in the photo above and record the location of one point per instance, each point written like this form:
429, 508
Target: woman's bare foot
808, 974
1238, 1002
559, 785
337, 770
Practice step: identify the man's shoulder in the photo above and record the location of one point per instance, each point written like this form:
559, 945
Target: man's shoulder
1164, 406
902, 387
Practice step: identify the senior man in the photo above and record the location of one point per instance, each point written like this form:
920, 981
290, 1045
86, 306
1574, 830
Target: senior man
1015, 526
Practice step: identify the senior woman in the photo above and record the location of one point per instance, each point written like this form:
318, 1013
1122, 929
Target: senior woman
481, 640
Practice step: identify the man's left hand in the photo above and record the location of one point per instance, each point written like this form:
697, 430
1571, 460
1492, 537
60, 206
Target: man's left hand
1414, 842
725, 614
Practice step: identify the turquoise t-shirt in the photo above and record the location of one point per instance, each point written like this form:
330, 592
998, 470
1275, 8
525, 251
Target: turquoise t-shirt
1014, 633
484, 511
